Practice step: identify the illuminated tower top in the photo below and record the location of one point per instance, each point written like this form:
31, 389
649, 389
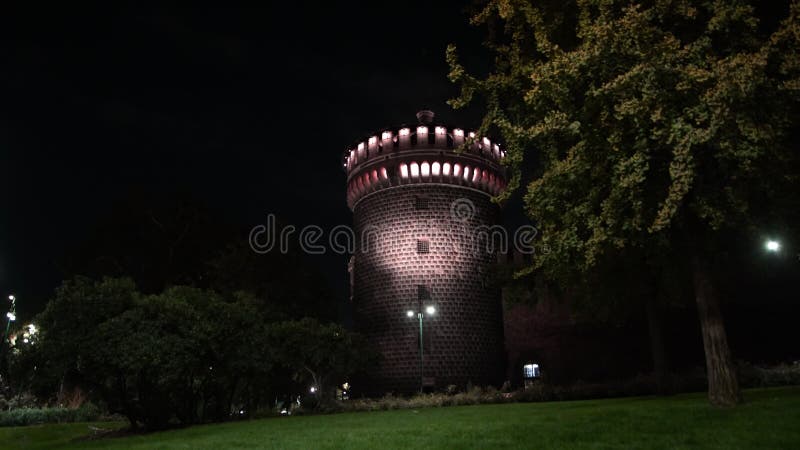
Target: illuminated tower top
425, 153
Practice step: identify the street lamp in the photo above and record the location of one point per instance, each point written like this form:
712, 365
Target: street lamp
773, 246
11, 315
430, 310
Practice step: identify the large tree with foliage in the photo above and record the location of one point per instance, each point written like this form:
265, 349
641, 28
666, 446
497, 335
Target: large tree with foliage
319, 354
185, 355
658, 127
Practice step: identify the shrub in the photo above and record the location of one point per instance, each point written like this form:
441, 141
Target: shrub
32, 416
779, 375
690, 381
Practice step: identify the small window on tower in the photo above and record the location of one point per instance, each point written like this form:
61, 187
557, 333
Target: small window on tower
422, 293
423, 246
421, 202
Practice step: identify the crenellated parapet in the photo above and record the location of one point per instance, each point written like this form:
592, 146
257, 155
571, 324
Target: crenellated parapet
425, 153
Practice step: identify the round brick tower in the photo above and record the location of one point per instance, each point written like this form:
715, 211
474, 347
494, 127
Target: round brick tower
421, 199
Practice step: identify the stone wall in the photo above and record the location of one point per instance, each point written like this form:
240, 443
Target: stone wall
463, 340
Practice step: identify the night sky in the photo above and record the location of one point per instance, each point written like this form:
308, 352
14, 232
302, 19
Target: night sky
248, 110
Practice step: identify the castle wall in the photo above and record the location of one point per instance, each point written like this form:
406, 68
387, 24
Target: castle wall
463, 340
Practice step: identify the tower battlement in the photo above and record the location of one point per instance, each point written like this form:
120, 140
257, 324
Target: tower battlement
425, 153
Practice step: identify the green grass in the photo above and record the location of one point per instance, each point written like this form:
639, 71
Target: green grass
769, 420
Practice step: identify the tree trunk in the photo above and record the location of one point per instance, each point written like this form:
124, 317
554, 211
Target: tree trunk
657, 350
723, 387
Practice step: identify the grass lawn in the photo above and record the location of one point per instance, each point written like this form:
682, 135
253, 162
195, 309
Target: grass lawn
769, 420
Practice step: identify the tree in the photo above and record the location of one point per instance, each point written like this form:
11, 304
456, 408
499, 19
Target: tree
68, 328
187, 355
659, 127
285, 285
318, 353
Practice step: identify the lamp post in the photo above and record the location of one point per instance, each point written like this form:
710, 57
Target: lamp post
11, 315
430, 310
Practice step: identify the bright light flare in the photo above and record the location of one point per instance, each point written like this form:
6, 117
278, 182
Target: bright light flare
410, 313
430, 310
773, 246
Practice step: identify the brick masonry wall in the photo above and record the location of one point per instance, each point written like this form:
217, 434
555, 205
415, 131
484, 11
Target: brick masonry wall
463, 341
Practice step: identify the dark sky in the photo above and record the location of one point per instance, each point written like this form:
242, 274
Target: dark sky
247, 109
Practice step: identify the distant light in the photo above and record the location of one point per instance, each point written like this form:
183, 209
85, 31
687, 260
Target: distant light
486, 141
386, 135
440, 130
404, 131
373, 140
430, 310
471, 134
773, 246
410, 313
313, 389
25, 340
422, 130
12, 298
11, 316
361, 146
530, 370
458, 132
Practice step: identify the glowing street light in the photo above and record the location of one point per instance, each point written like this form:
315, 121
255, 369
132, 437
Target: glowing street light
773, 246
430, 310
11, 315
313, 389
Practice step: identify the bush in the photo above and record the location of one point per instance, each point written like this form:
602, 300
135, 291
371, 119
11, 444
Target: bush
690, 381
32, 416
779, 375
24, 400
